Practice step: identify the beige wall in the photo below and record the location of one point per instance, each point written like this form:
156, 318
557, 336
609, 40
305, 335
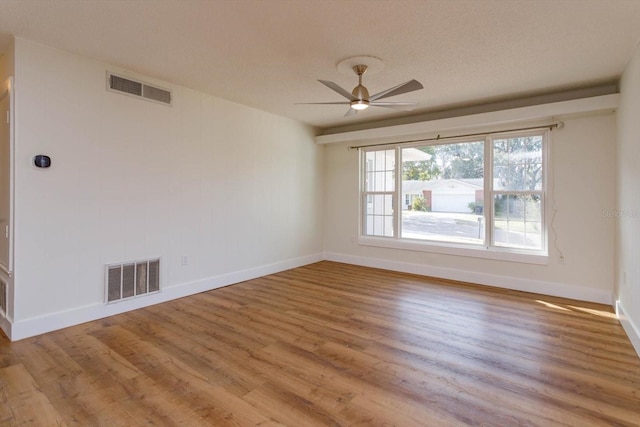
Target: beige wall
584, 186
6, 64
233, 188
628, 192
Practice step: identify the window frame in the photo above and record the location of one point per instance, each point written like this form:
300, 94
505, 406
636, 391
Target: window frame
543, 192
365, 194
488, 249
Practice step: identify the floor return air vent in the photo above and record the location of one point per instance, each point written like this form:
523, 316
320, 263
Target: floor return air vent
138, 89
132, 279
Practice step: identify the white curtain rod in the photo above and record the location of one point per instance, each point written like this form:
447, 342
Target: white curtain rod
558, 125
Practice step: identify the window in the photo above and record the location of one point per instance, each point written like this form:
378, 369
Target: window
379, 185
480, 193
518, 192
449, 182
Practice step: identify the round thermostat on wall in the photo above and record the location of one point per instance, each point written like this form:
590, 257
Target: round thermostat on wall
41, 161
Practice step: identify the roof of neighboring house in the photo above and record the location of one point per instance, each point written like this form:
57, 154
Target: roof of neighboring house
413, 155
416, 186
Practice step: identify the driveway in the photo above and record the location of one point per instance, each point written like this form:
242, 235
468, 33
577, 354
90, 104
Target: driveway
460, 228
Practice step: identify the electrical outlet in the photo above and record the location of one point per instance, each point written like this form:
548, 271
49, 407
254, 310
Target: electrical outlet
185, 260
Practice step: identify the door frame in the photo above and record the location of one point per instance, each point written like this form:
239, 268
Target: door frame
8, 89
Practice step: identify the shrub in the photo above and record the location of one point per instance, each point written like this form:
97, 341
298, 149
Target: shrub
419, 204
475, 207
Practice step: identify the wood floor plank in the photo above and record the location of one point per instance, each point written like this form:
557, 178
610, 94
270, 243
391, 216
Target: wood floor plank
187, 384
7, 356
23, 402
332, 344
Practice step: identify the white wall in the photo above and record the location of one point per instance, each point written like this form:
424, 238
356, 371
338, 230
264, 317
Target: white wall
628, 208
233, 188
584, 159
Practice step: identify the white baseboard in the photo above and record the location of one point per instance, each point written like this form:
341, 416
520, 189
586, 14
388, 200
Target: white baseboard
506, 282
38, 325
631, 328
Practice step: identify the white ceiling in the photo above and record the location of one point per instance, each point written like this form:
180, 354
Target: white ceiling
268, 53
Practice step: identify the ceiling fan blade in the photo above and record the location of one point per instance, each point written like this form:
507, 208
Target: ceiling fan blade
404, 106
333, 86
409, 86
351, 112
323, 103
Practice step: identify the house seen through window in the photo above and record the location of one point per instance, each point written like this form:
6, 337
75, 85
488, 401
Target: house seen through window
483, 192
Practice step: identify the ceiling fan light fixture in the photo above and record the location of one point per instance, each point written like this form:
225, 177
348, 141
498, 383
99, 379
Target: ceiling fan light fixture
360, 104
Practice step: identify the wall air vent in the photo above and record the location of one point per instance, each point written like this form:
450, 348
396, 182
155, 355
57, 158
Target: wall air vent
131, 279
3, 297
125, 85
156, 94
138, 89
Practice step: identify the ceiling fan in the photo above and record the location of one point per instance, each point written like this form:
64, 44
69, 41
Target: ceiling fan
359, 99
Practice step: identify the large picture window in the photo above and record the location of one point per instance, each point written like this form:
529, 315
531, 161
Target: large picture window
484, 193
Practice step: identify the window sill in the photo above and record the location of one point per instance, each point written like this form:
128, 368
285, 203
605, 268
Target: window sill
539, 258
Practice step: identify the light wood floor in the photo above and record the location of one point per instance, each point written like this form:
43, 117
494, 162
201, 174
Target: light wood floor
331, 344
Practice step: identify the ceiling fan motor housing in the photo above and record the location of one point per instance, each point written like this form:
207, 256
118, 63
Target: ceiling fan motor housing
360, 91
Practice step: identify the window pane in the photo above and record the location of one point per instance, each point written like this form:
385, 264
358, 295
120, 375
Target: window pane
442, 192
379, 170
378, 219
378, 225
518, 163
518, 221
368, 230
388, 226
378, 204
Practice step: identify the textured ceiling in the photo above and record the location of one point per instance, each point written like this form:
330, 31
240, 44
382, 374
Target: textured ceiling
268, 53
